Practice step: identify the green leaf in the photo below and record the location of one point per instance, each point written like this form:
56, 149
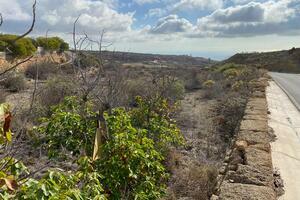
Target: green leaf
9, 136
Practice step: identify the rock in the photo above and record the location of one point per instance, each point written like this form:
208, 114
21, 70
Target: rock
251, 175
233, 167
278, 183
254, 137
254, 125
238, 191
258, 158
222, 170
227, 159
241, 145
214, 197
263, 146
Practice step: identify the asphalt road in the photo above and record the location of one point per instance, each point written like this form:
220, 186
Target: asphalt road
290, 83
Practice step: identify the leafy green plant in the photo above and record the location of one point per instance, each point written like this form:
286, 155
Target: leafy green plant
71, 126
154, 115
55, 185
131, 163
131, 166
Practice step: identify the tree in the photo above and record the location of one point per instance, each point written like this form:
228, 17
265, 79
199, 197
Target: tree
64, 47
23, 48
52, 43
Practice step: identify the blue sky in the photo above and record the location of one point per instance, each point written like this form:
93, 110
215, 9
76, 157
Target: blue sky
209, 28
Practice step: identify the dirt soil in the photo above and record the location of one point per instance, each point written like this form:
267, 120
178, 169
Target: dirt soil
203, 152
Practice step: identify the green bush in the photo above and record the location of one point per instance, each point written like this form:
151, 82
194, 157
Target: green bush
69, 126
130, 164
52, 43
83, 184
155, 116
208, 84
22, 48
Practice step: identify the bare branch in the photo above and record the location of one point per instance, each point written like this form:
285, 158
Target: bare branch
32, 24
74, 33
1, 19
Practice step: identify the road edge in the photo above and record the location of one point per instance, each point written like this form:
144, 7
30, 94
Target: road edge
288, 94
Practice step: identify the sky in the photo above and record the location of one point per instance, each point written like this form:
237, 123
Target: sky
209, 28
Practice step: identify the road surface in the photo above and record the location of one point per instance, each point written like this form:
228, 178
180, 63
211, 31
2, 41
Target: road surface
284, 118
290, 83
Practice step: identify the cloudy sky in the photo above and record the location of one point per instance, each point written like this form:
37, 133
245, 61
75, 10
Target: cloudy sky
209, 28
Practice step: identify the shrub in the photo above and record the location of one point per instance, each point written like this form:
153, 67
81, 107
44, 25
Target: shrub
2, 96
131, 166
69, 126
193, 181
41, 70
55, 91
208, 84
155, 117
173, 90
14, 82
83, 184
231, 73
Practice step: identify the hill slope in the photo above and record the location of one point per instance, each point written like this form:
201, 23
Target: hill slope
278, 61
168, 60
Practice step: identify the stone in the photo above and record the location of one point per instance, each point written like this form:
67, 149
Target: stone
254, 137
254, 125
241, 145
251, 175
214, 197
258, 158
238, 191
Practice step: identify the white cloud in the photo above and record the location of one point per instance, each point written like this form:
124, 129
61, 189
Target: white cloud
156, 12
171, 24
141, 2
95, 15
198, 4
11, 10
254, 18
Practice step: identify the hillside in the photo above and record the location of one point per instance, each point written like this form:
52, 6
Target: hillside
150, 59
278, 61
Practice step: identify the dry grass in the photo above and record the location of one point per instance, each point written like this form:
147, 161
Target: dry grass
42, 71
190, 179
14, 82
2, 96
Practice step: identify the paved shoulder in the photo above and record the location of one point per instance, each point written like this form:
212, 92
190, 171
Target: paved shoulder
284, 118
290, 83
